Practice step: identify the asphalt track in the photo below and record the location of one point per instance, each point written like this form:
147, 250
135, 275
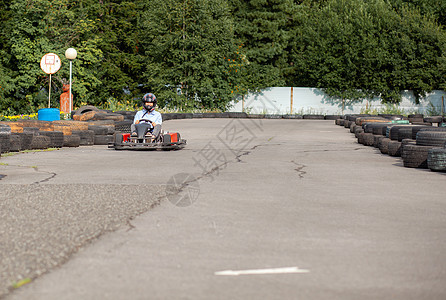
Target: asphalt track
297, 206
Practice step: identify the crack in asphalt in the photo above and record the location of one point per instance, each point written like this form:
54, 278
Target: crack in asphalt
51, 174
327, 150
181, 187
299, 169
46, 179
223, 165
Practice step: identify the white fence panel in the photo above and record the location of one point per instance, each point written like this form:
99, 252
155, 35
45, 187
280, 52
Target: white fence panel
301, 100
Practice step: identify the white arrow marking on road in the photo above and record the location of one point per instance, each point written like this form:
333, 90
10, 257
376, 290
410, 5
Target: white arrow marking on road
262, 271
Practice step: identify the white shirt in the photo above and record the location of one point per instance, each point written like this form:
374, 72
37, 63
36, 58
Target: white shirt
153, 116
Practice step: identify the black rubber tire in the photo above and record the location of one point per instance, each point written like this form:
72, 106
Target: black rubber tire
255, 116
358, 130
40, 142
332, 117
117, 138
441, 129
166, 139
83, 109
370, 127
431, 138
415, 156
404, 133
377, 140
355, 116
219, 115
15, 143
26, 140
56, 138
5, 128
167, 116
313, 117
361, 138
418, 116
33, 130
380, 129
103, 139
179, 116
98, 129
352, 126
368, 139
436, 159
195, 116
71, 141
208, 115
408, 142
292, 116
394, 148
417, 128
415, 118
123, 126
4, 141
384, 145
87, 137
271, 116
394, 131
434, 119
109, 124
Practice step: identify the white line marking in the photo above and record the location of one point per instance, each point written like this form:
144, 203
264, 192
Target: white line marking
262, 271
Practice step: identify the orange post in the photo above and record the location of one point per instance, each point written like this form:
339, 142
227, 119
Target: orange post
65, 99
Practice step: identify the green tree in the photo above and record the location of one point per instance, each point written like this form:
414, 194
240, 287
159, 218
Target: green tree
117, 41
5, 76
264, 28
187, 45
103, 33
426, 7
356, 49
34, 29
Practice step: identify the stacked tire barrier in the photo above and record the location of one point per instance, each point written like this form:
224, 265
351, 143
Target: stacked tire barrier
92, 126
23, 135
417, 140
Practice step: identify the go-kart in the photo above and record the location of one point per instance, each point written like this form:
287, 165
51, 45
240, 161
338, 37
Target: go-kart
145, 140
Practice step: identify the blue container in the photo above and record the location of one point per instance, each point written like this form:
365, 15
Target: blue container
48, 114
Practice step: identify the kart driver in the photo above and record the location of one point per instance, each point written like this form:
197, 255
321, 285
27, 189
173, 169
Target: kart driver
148, 115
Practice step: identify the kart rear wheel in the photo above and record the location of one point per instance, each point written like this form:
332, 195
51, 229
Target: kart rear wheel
118, 138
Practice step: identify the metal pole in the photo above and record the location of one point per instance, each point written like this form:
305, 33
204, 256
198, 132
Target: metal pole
49, 94
442, 106
442, 109
291, 100
69, 110
243, 103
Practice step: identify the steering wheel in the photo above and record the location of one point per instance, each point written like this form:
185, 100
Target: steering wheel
146, 121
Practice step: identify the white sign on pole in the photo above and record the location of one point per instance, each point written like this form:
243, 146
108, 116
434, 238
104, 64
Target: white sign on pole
50, 63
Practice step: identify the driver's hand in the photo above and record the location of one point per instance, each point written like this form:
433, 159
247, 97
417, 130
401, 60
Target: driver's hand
153, 124
137, 122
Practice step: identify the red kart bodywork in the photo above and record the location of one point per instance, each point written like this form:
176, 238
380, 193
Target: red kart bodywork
166, 141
